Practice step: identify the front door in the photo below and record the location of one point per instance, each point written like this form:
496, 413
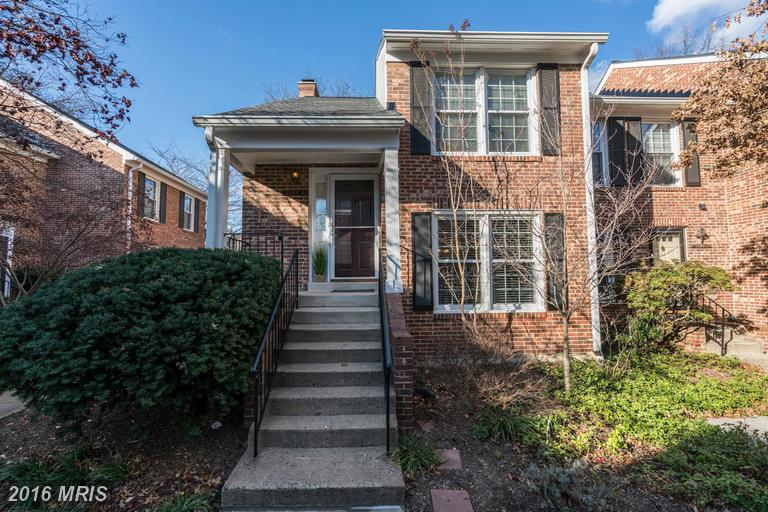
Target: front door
354, 228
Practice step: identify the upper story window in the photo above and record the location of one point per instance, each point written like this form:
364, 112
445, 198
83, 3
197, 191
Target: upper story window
598, 154
485, 112
508, 123
455, 113
151, 200
188, 215
660, 151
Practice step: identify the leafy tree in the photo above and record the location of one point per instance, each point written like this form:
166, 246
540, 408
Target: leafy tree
730, 105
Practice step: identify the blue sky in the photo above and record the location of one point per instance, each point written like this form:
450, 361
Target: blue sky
202, 57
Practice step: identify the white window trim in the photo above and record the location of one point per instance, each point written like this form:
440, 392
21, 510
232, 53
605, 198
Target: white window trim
192, 219
486, 305
674, 142
481, 113
156, 212
602, 148
7, 232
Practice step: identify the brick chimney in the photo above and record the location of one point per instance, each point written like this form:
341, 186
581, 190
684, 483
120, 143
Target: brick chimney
308, 87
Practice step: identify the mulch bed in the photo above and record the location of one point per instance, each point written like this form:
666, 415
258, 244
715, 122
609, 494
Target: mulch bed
491, 472
161, 462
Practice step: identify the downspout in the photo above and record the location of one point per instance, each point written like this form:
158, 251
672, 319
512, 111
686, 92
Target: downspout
128, 220
590, 202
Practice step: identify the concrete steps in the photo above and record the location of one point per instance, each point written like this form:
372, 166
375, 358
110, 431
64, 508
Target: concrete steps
329, 374
322, 439
741, 344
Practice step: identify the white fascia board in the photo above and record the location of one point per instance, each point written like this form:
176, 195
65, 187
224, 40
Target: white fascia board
642, 100
294, 121
163, 175
491, 36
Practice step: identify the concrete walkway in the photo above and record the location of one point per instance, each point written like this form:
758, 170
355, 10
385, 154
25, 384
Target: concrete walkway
9, 404
758, 424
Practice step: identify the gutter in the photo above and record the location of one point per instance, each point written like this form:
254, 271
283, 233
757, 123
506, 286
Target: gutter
129, 220
594, 292
300, 121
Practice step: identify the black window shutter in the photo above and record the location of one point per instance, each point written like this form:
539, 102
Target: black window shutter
549, 97
163, 200
140, 196
554, 237
196, 220
635, 157
692, 172
421, 108
181, 209
422, 260
617, 161
4, 243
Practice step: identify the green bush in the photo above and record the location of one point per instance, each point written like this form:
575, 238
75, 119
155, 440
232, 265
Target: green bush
168, 328
664, 302
416, 455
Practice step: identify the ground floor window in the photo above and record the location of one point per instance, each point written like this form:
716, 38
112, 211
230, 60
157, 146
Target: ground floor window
669, 245
487, 261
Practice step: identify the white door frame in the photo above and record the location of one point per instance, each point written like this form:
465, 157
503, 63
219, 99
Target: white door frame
330, 175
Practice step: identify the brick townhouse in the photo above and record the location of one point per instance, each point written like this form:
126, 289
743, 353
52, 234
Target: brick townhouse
718, 221
70, 197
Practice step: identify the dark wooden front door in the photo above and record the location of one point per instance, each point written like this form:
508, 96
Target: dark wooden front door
354, 228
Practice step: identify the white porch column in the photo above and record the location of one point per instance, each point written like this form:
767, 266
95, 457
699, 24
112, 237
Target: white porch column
218, 196
392, 217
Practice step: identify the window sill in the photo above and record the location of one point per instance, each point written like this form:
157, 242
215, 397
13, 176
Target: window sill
667, 188
487, 158
533, 311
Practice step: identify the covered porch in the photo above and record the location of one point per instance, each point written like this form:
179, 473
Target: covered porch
320, 172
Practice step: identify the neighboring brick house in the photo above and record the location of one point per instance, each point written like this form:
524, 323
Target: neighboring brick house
363, 176
721, 221
70, 197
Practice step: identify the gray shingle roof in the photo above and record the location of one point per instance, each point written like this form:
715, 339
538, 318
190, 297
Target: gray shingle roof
316, 106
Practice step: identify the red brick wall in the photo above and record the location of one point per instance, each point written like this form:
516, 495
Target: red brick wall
274, 202
156, 234
422, 188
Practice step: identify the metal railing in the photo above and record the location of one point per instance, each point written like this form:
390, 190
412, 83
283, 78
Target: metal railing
265, 244
386, 347
722, 319
271, 343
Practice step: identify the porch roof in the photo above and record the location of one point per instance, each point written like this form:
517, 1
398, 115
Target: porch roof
308, 111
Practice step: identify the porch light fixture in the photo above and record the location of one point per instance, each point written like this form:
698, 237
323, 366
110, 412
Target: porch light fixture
702, 235
295, 176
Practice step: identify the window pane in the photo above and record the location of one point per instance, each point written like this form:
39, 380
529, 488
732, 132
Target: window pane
507, 92
513, 283
449, 283
597, 167
512, 239
455, 93
456, 132
150, 194
468, 239
657, 143
508, 133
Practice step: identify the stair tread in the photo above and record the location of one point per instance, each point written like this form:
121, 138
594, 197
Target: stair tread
327, 392
315, 468
338, 309
329, 367
335, 294
332, 345
326, 422
335, 327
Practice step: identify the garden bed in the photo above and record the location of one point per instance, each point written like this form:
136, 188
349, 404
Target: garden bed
157, 466
614, 421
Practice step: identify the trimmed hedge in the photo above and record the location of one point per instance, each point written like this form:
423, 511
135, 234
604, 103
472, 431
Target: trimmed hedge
173, 328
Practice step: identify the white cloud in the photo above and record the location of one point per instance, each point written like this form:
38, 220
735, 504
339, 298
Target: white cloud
670, 17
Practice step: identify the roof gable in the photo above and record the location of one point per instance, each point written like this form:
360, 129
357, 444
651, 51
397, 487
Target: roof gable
657, 78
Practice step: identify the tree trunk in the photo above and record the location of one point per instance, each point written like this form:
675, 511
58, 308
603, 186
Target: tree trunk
566, 354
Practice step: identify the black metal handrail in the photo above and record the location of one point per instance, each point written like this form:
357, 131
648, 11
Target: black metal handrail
271, 343
722, 318
266, 244
386, 347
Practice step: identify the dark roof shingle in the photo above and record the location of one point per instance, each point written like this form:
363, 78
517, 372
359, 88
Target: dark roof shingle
315, 106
